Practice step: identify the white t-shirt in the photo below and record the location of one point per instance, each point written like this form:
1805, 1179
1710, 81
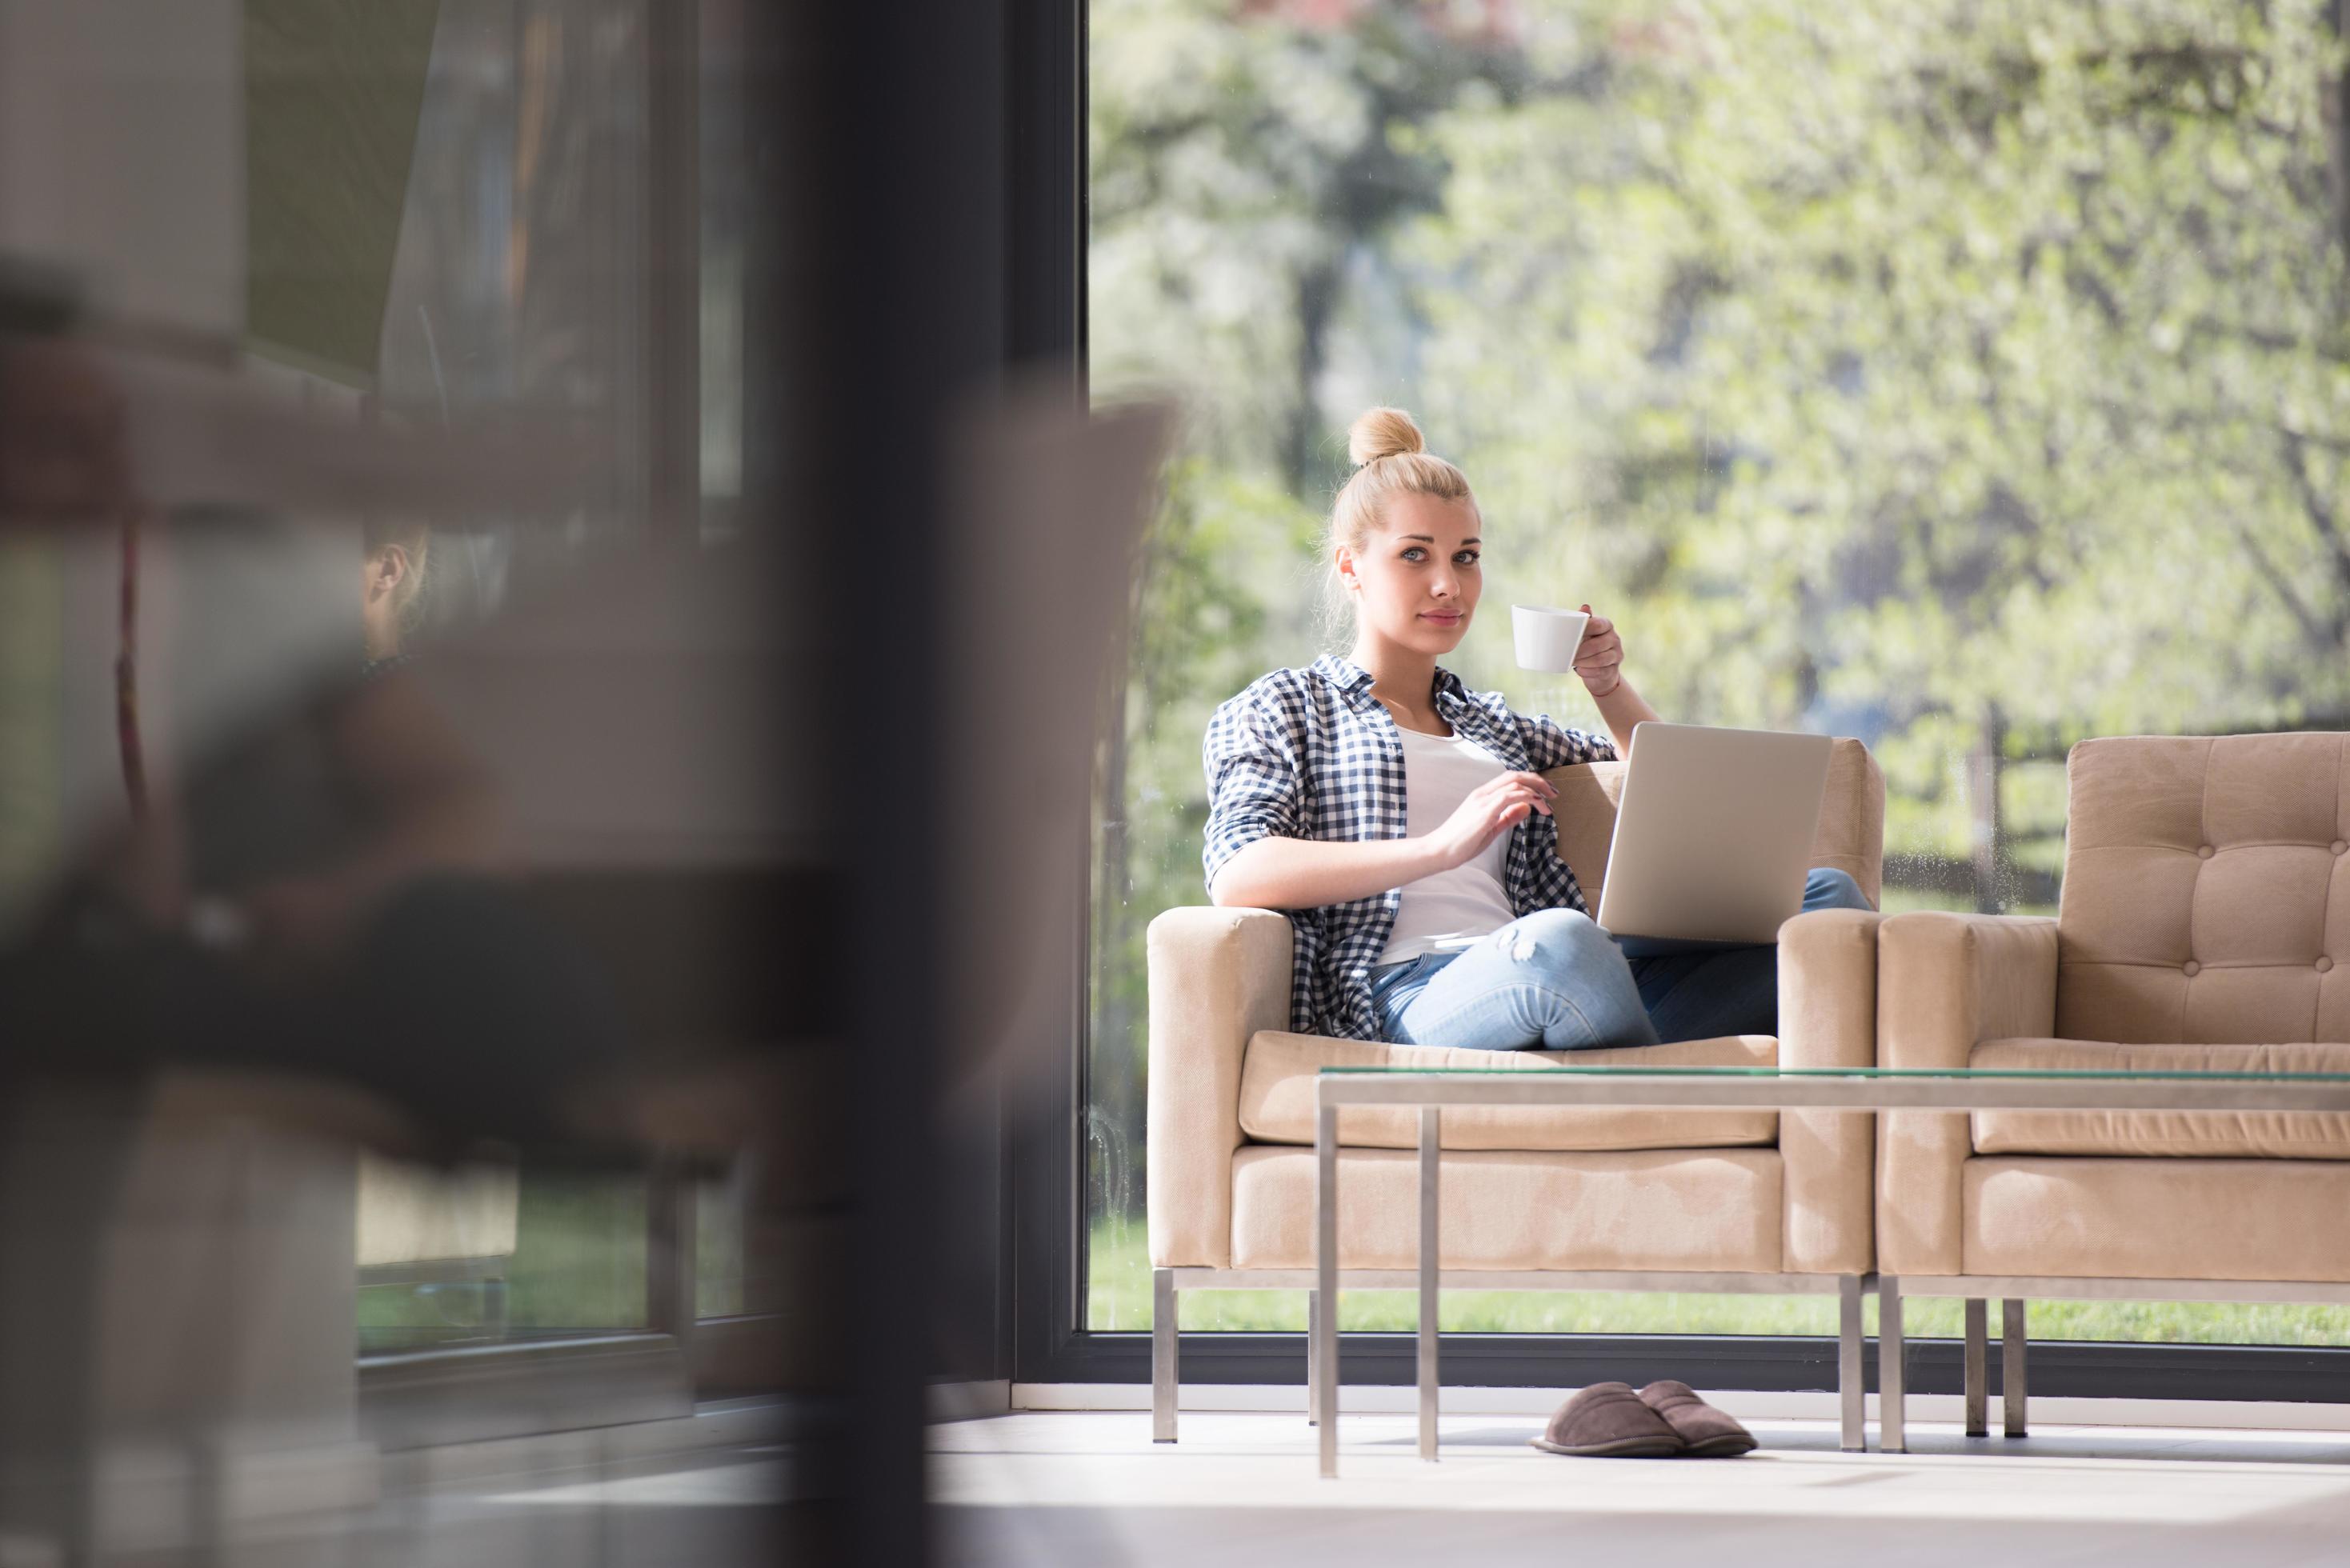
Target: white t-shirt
1450, 907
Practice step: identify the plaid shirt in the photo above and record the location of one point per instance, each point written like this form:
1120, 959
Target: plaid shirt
1311, 753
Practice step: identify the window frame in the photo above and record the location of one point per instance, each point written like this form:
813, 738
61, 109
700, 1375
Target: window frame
1049, 190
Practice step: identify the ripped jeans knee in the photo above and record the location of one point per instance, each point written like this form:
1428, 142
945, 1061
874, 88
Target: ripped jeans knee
1548, 981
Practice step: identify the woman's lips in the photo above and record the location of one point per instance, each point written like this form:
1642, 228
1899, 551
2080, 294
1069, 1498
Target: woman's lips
1441, 617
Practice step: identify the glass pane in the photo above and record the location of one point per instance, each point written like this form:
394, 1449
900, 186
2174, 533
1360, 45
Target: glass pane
1987, 394
537, 1257
717, 1250
292, 244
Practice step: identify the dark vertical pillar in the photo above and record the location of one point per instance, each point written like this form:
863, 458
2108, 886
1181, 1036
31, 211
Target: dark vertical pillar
883, 259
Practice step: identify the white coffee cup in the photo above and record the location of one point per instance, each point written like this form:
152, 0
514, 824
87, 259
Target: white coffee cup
1547, 637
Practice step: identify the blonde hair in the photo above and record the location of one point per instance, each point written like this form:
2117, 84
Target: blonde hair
1391, 459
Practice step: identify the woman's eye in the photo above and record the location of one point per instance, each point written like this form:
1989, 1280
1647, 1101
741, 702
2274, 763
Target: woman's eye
1466, 558
1415, 554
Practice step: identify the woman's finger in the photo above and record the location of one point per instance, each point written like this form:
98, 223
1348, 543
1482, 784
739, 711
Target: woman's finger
1533, 783
1529, 787
1532, 799
1511, 800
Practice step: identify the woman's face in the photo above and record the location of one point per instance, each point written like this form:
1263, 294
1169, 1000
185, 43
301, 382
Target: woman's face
1415, 581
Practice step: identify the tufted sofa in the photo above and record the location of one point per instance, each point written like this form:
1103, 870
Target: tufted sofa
2205, 926
1534, 1198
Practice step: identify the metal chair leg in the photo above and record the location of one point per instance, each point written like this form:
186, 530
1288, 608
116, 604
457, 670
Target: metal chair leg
2012, 1364
1430, 1141
1164, 1350
1851, 1390
1313, 1350
1977, 1370
1892, 1435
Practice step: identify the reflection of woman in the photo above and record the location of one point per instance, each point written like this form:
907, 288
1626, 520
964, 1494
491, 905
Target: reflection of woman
326, 896
1401, 819
392, 590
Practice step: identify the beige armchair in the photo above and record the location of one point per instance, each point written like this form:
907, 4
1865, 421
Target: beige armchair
1551, 1198
2205, 926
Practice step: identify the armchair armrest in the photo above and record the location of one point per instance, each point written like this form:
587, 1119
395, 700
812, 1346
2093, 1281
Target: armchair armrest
1217, 977
1945, 983
1827, 1018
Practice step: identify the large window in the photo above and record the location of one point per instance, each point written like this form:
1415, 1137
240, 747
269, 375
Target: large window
1967, 378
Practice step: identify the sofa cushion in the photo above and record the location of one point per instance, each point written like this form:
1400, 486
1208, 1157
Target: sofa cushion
2156, 1218
1673, 1210
2203, 1135
2207, 890
1277, 1097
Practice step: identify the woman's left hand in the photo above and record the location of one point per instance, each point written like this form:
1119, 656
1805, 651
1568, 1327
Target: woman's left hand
1599, 659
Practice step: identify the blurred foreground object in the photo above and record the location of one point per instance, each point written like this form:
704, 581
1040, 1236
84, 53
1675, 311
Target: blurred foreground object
1045, 546
372, 909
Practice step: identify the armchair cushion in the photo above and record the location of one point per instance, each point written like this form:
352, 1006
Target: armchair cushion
2207, 890
1278, 1097
2206, 1136
1651, 1209
2138, 1218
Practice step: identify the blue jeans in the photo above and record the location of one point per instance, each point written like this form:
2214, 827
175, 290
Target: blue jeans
1554, 981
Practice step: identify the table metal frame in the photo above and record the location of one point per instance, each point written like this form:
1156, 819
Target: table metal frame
1741, 1089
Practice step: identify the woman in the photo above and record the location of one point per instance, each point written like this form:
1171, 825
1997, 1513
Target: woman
1402, 820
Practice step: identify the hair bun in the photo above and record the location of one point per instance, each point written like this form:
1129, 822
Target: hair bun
1382, 433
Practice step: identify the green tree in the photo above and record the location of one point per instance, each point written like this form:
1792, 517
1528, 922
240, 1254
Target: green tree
1943, 368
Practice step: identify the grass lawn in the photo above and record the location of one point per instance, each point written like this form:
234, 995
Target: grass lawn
1119, 1298
579, 1266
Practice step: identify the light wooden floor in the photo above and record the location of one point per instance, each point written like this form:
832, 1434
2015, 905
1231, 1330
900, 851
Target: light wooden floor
1241, 1489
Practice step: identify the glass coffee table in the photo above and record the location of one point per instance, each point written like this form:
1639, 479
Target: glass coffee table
1872, 1089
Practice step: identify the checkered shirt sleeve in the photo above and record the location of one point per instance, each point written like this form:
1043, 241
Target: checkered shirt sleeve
1550, 745
1255, 784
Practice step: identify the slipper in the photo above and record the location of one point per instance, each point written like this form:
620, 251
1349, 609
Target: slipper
1705, 1432
1607, 1420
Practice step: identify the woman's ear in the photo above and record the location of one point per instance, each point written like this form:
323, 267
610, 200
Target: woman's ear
1343, 557
387, 571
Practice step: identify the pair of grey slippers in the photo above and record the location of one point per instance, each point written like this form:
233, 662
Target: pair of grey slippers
1665, 1420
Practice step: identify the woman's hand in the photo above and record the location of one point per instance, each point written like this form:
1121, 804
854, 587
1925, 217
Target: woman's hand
1599, 658
1493, 807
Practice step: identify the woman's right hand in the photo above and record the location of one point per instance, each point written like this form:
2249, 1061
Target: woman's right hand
1492, 808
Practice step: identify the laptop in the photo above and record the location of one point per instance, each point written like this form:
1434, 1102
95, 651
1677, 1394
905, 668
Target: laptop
1713, 835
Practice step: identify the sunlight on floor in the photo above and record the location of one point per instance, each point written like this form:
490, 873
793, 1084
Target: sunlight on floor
1242, 1487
